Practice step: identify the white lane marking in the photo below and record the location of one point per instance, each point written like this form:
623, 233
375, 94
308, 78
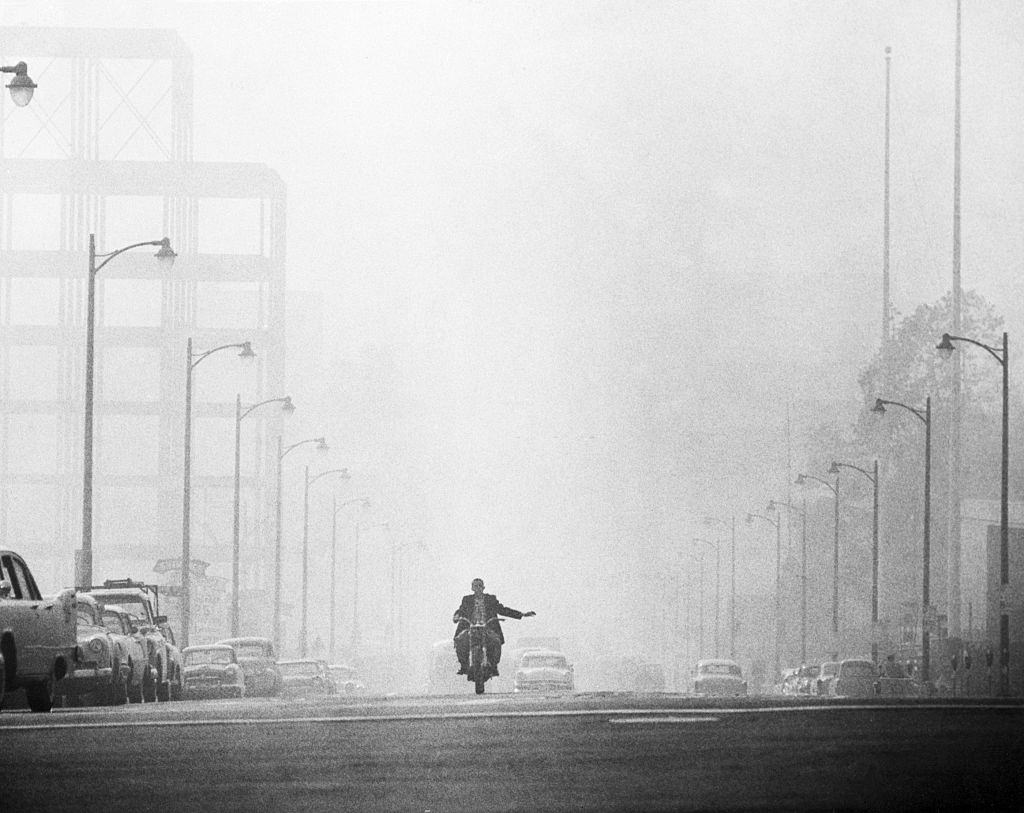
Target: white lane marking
658, 720
403, 718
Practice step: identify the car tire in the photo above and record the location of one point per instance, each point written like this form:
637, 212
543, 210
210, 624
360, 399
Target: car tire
149, 686
40, 695
134, 689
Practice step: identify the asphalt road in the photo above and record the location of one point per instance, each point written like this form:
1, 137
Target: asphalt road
583, 752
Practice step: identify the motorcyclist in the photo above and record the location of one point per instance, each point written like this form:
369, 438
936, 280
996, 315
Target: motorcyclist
480, 607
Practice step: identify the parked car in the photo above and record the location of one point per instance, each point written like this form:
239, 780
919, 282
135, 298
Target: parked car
543, 670
101, 675
807, 677
38, 645
211, 671
719, 676
142, 602
790, 681
141, 678
345, 679
826, 674
855, 677
259, 662
305, 676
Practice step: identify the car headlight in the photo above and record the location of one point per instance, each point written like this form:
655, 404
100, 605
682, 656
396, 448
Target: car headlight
96, 645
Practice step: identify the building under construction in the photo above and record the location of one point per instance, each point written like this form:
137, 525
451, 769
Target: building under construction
105, 149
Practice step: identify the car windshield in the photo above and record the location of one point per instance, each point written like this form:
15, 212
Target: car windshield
829, 669
720, 669
542, 661
196, 657
85, 616
127, 603
300, 668
857, 669
810, 671
112, 621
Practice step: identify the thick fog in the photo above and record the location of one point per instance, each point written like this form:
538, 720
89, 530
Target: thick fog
566, 278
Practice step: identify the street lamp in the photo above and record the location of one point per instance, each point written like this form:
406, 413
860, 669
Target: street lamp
356, 642
802, 511
873, 477
1001, 355
166, 257
777, 522
731, 523
287, 407
334, 553
925, 416
21, 86
191, 361
718, 585
802, 480
322, 449
305, 550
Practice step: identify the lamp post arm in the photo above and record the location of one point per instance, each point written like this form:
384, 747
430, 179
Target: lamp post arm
108, 257
363, 500
195, 358
855, 468
300, 443
998, 353
774, 522
329, 471
823, 482
285, 400
920, 413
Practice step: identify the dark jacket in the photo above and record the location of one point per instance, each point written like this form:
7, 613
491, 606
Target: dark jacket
492, 609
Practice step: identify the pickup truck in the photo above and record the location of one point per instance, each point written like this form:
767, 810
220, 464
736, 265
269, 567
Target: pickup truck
38, 637
141, 602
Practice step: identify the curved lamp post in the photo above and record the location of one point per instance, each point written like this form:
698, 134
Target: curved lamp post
1001, 355
191, 361
873, 477
802, 511
925, 416
777, 522
305, 550
322, 449
21, 86
731, 524
166, 257
718, 586
334, 556
802, 480
287, 407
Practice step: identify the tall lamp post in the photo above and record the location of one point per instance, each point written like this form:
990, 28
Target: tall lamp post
287, 407
873, 477
21, 86
777, 522
322, 449
191, 361
718, 587
334, 558
700, 606
165, 256
731, 524
802, 480
925, 416
304, 634
1001, 355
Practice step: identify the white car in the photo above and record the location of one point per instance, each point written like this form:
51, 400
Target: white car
543, 670
719, 676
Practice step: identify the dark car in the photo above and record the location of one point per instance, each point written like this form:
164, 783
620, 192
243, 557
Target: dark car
258, 660
212, 671
306, 676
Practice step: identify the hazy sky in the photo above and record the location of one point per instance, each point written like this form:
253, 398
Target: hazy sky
605, 244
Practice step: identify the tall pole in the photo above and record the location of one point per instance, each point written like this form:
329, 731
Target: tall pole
334, 569
277, 550
886, 307
700, 642
718, 596
778, 599
956, 423
85, 574
926, 564
305, 565
874, 570
234, 527
186, 507
732, 595
835, 567
803, 586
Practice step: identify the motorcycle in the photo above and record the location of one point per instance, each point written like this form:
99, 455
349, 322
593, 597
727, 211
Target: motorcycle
480, 668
